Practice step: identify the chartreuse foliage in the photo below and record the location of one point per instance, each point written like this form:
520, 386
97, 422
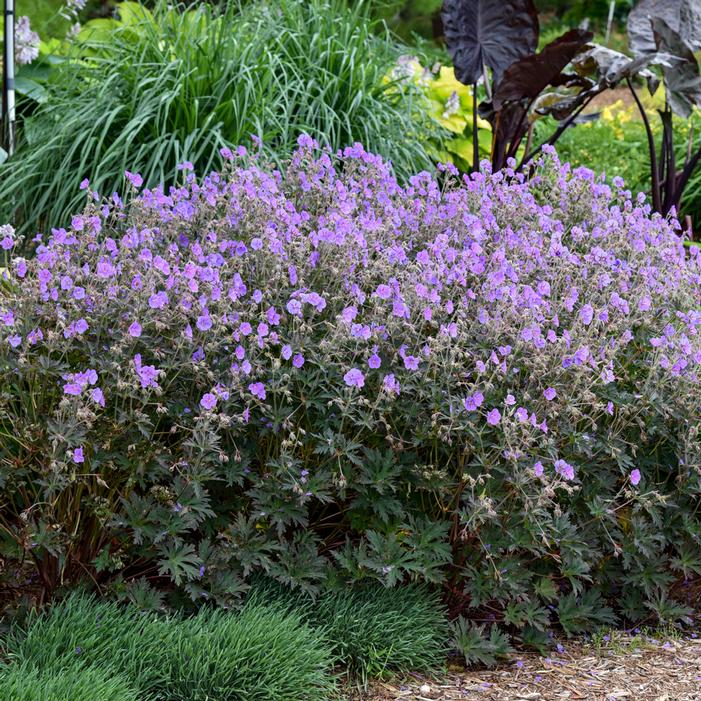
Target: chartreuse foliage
450, 105
486, 383
259, 652
150, 90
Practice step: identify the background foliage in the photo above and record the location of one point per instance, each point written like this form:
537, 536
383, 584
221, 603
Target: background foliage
151, 91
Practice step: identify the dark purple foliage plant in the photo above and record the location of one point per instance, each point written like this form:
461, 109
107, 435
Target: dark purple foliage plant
494, 42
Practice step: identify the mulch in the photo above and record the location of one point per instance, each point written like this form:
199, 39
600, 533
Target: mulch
631, 668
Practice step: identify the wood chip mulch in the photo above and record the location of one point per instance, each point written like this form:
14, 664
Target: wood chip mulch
647, 670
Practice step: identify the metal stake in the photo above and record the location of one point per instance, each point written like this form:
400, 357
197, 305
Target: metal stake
8, 78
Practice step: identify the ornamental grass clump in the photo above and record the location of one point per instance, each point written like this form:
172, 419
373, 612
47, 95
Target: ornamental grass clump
20, 683
488, 382
259, 652
371, 631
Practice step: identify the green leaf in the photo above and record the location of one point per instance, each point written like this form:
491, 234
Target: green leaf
478, 645
31, 89
179, 562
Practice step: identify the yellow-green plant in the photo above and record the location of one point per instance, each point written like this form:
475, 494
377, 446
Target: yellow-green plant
449, 105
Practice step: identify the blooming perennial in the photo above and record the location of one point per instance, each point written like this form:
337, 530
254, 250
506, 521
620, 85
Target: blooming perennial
429, 366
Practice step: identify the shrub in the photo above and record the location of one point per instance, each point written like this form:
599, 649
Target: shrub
20, 683
489, 383
151, 91
258, 653
371, 630
616, 144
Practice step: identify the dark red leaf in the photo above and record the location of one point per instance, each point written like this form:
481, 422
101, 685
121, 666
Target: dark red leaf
494, 33
529, 76
682, 16
682, 82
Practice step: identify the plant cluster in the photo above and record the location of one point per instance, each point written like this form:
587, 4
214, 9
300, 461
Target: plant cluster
27, 683
258, 653
616, 143
372, 631
564, 77
150, 90
487, 382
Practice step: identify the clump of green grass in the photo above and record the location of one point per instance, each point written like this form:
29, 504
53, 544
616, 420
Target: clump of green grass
261, 653
82, 633
155, 90
372, 631
25, 683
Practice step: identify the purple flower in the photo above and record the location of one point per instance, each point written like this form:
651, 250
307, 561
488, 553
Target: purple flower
204, 322
635, 477
135, 329
354, 378
550, 394
565, 469
294, 307
391, 385
538, 469
383, 291
349, 314
586, 314
14, 340
158, 300
298, 360
98, 396
472, 403
493, 417
73, 389
76, 328
78, 456
257, 389
134, 178
411, 362
208, 401
147, 374
286, 352
374, 361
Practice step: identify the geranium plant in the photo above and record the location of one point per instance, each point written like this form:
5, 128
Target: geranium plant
488, 382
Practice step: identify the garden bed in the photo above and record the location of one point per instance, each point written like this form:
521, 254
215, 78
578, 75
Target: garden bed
627, 667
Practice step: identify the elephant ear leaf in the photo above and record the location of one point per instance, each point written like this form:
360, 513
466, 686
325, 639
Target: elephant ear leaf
682, 16
529, 76
682, 82
495, 33
609, 67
